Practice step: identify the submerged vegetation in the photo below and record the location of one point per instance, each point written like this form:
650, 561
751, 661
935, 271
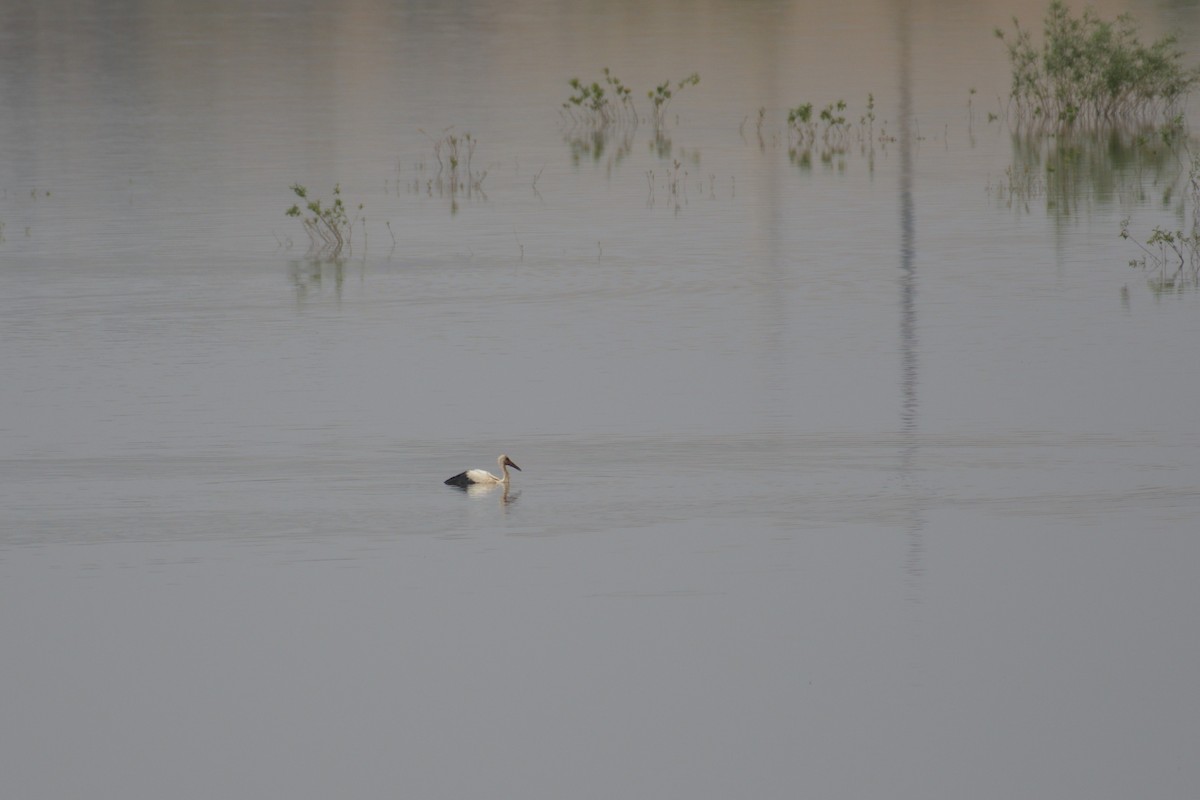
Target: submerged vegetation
454, 175
460, 175
1072, 173
661, 95
829, 134
1098, 115
595, 106
329, 227
459, 152
1094, 71
600, 106
1171, 258
1094, 115
602, 117
1073, 169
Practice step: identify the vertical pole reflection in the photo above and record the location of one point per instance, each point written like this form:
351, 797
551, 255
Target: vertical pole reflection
908, 289
914, 562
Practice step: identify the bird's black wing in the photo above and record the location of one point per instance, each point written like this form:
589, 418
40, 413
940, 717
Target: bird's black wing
460, 480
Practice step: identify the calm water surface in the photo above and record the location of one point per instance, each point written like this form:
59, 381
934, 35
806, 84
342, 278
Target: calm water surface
853, 478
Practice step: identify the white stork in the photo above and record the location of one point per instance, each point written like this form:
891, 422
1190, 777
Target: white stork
482, 476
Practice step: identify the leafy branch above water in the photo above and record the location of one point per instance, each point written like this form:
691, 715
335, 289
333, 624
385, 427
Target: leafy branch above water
459, 150
830, 133
599, 106
601, 111
455, 174
329, 227
661, 95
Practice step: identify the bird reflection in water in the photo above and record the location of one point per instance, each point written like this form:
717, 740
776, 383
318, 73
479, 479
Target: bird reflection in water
502, 491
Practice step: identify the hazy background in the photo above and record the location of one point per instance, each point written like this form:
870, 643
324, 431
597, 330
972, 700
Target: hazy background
866, 477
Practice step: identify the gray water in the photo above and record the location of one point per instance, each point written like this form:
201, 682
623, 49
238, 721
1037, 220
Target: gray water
858, 478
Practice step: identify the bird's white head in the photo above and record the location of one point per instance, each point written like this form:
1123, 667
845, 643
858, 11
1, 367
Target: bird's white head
504, 461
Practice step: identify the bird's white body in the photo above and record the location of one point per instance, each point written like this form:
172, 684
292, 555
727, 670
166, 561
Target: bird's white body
482, 477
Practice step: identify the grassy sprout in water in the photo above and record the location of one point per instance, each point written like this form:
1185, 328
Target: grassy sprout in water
603, 118
600, 105
329, 227
660, 97
597, 106
1172, 257
454, 154
1094, 71
828, 132
459, 151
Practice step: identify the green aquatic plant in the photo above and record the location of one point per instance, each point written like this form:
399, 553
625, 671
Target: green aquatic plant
608, 103
599, 106
1094, 71
329, 227
602, 118
867, 121
1172, 257
833, 117
661, 96
800, 124
459, 150
829, 134
597, 114
455, 174
830, 125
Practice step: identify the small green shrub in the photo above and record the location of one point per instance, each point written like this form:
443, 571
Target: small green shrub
459, 150
1171, 258
598, 107
329, 228
661, 96
1092, 70
829, 134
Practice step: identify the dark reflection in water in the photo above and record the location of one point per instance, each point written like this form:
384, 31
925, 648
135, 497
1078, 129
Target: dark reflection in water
908, 332
914, 558
1073, 170
310, 275
1085, 170
592, 144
